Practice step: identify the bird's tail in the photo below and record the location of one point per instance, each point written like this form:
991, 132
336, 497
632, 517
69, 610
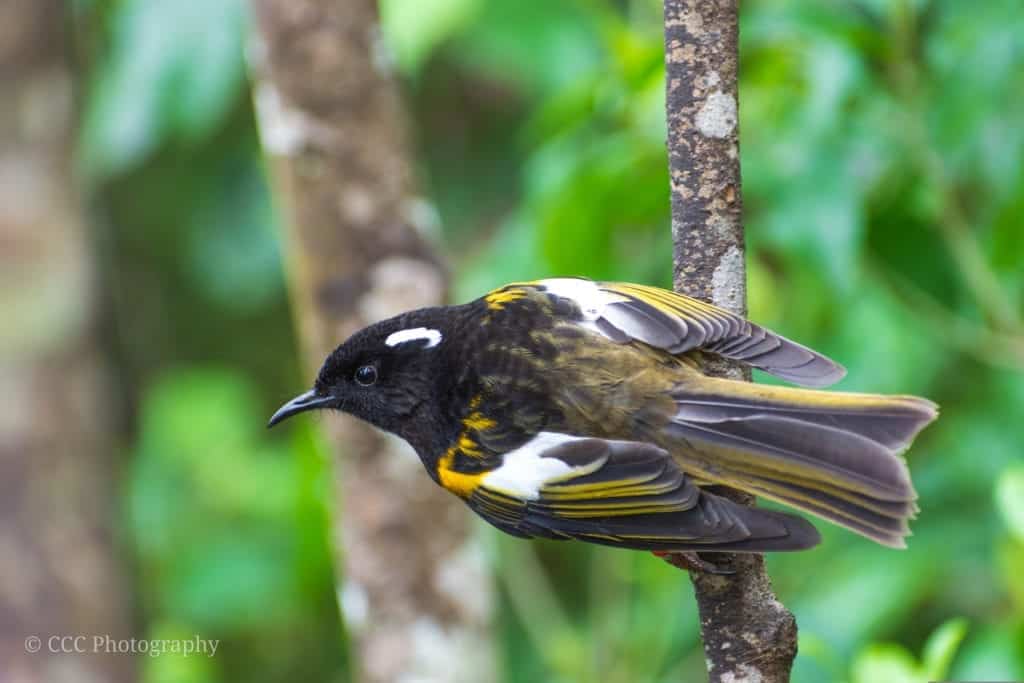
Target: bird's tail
836, 455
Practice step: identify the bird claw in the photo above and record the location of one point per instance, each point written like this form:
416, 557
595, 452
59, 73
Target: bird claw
691, 561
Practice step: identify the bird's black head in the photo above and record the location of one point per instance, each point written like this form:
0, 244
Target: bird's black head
385, 374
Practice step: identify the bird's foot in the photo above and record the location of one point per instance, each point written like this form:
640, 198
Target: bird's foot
691, 561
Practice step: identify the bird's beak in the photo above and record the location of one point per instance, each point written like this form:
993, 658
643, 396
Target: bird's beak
299, 404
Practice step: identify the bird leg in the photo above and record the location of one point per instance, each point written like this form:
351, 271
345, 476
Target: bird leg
691, 561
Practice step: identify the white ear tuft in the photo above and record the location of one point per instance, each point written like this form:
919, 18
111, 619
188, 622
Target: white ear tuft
432, 337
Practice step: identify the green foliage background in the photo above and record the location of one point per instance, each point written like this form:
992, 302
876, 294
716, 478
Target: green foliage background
883, 159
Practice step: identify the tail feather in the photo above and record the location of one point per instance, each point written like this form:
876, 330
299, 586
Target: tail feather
888, 528
809, 488
834, 455
803, 450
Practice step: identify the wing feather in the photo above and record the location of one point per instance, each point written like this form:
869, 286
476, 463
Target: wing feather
634, 495
626, 312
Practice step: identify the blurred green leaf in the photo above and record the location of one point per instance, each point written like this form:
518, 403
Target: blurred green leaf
1010, 499
941, 647
978, 48
1004, 244
874, 329
176, 667
895, 664
831, 606
228, 581
597, 204
974, 421
1011, 564
814, 649
511, 255
414, 28
995, 654
889, 663
540, 45
214, 508
234, 243
172, 70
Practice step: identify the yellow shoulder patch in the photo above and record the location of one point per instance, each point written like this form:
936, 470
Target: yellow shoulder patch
513, 291
497, 299
461, 483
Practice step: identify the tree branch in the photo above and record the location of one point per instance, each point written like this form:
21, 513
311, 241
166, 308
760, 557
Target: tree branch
413, 590
748, 634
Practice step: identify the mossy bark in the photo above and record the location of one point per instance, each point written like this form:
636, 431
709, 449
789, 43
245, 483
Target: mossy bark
748, 634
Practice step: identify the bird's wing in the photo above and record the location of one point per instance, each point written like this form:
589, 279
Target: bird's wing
677, 323
626, 494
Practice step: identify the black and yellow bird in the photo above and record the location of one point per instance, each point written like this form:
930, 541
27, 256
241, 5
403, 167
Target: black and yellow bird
568, 408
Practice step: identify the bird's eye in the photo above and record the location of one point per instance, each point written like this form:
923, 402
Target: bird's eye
366, 375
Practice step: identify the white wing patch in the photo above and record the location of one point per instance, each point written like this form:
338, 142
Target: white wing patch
588, 295
524, 472
432, 337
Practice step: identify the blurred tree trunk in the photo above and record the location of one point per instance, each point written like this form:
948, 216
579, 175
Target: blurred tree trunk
748, 634
413, 591
58, 576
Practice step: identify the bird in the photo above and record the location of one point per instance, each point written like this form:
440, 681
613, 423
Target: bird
569, 408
